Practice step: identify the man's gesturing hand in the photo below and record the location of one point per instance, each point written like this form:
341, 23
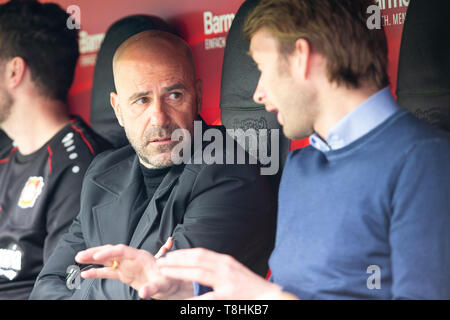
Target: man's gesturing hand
228, 278
137, 268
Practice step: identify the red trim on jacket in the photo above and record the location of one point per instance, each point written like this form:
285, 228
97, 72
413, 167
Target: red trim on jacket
5, 160
84, 139
50, 154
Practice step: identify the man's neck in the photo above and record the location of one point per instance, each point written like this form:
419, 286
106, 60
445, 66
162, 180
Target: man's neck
33, 123
336, 103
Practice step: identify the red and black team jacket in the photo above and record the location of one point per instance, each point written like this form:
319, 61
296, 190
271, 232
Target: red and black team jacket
39, 198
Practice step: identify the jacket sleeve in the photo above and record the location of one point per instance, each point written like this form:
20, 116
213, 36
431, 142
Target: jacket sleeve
231, 211
420, 224
51, 282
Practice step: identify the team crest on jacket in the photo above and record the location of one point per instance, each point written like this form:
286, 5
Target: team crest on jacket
31, 192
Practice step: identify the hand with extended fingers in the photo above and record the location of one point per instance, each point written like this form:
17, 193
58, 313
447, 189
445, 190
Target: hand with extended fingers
228, 278
171, 277
137, 268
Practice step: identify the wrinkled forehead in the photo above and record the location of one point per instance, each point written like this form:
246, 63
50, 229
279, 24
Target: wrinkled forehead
158, 58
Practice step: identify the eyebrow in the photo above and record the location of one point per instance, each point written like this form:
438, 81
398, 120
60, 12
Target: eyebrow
176, 86
137, 95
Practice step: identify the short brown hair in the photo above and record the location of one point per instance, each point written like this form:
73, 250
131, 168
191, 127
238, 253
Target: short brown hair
356, 55
38, 33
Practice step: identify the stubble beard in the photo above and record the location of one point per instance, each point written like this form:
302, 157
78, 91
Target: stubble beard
6, 102
154, 157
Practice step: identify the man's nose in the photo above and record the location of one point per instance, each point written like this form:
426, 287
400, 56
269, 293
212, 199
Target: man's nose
260, 95
158, 113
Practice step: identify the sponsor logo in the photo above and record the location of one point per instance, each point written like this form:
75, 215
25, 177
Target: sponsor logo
89, 46
395, 18
216, 25
30, 192
389, 4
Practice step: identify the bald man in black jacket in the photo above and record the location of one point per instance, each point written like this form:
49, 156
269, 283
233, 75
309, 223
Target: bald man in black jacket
139, 197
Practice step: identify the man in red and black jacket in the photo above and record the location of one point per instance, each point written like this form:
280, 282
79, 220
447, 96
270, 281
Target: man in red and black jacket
42, 174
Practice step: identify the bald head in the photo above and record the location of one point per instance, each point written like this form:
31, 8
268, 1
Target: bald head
153, 45
156, 93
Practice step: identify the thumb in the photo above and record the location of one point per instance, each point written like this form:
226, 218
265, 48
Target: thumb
166, 247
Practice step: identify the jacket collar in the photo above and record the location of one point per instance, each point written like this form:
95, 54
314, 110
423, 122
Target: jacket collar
124, 174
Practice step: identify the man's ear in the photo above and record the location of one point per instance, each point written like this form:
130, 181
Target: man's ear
302, 58
114, 99
199, 91
15, 72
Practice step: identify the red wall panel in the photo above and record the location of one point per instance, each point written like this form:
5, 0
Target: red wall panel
188, 18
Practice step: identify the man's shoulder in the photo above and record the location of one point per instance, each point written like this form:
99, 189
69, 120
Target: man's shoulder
112, 159
410, 134
76, 145
93, 142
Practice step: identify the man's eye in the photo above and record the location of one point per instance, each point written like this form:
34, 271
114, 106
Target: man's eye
142, 100
175, 95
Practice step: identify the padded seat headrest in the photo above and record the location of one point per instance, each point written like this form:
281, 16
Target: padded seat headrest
239, 73
239, 80
103, 120
423, 85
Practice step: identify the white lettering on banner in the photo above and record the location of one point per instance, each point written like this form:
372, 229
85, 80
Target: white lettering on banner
89, 46
386, 21
88, 60
213, 43
392, 4
399, 18
90, 43
217, 24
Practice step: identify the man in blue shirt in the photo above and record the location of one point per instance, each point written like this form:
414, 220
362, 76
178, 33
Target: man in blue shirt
364, 211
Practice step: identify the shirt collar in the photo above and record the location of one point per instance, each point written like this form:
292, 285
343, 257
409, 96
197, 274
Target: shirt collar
366, 117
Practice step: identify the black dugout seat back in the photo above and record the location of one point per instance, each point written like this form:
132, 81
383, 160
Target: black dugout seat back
239, 79
103, 120
423, 85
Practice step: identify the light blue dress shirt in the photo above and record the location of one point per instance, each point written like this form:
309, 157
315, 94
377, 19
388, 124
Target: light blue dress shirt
367, 116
